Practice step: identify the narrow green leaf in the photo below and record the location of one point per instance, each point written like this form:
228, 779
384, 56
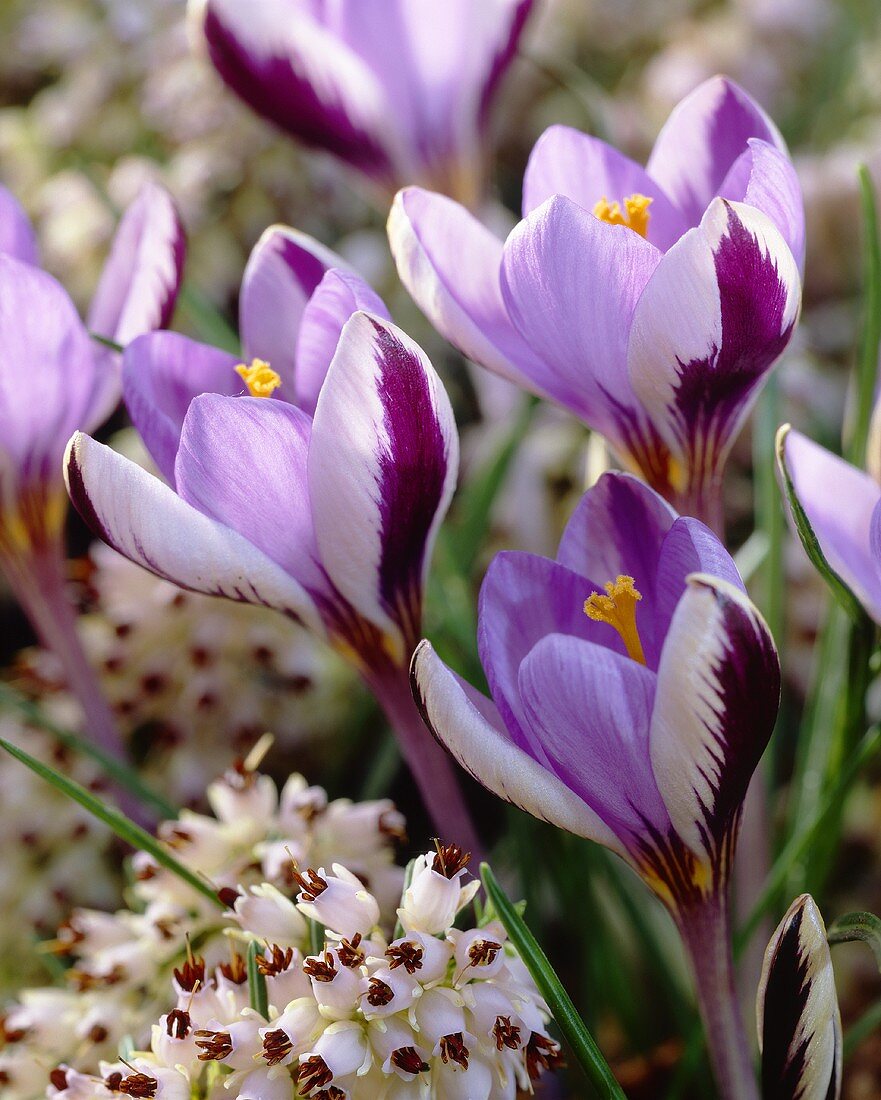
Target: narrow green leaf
408, 878
257, 983
857, 927
579, 1039
808, 539
865, 1026
121, 773
870, 340
104, 342
124, 828
206, 319
316, 936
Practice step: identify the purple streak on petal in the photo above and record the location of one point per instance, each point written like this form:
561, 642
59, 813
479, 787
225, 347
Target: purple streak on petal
337, 297
585, 169
139, 285
290, 70
17, 237
506, 46
590, 709
161, 374
701, 140
523, 598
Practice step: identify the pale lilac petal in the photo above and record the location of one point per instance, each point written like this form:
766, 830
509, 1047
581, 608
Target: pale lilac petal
717, 313
799, 1021
702, 138
17, 237
161, 374
585, 169
840, 503
283, 272
138, 287
337, 297
289, 68
715, 709
523, 598
430, 235
147, 522
54, 380
382, 469
485, 751
571, 284
591, 709
765, 178
243, 462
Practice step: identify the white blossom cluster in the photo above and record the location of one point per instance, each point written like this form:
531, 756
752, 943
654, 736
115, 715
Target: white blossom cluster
439, 1011
121, 963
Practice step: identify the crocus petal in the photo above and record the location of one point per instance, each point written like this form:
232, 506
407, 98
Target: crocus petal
338, 296
54, 380
702, 138
138, 287
714, 317
764, 177
17, 237
485, 751
282, 273
242, 461
147, 522
591, 710
289, 68
715, 708
523, 598
429, 235
382, 468
161, 374
840, 503
583, 168
571, 283
797, 1010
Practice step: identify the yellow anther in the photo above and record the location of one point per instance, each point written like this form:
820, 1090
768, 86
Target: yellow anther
260, 378
635, 214
618, 609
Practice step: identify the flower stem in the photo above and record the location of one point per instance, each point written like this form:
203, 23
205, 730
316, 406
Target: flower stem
707, 938
432, 769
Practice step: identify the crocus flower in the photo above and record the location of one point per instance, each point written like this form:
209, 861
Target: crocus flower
842, 505
634, 688
650, 302
399, 90
797, 1009
54, 378
324, 506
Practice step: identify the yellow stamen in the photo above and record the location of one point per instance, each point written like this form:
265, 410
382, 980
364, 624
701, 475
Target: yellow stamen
635, 214
260, 378
618, 609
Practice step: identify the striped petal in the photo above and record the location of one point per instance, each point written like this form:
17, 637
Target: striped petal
147, 522
702, 138
161, 374
382, 468
138, 287
797, 1010
717, 313
716, 704
484, 750
283, 272
429, 235
17, 237
298, 74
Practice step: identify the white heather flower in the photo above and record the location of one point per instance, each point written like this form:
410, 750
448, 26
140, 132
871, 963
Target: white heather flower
436, 894
339, 1055
389, 991
479, 952
266, 912
336, 987
426, 957
338, 901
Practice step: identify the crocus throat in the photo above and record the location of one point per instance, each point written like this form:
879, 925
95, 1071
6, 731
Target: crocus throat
635, 214
618, 609
260, 378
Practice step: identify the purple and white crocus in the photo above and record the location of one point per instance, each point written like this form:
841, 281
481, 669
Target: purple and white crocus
399, 90
54, 379
634, 689
650, 302
311, 478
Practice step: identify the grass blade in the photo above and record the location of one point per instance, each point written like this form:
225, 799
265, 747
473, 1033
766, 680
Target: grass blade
579, 1039
124, 828
857, 927
257, 983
